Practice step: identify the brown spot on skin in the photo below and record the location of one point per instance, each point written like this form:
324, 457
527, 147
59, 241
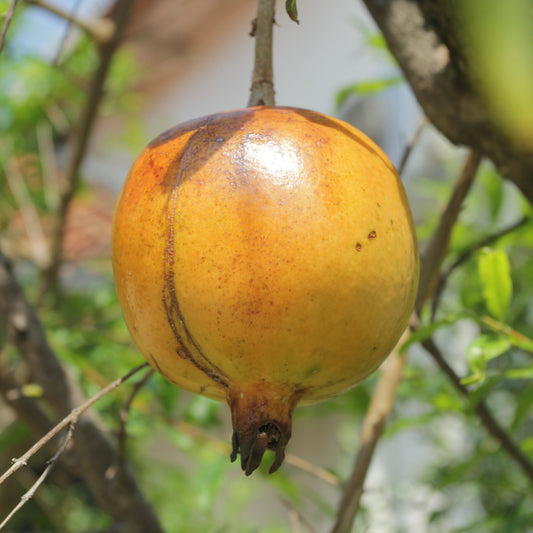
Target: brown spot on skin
358, 247
372, 235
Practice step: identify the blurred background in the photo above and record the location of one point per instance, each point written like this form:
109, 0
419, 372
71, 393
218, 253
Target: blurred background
435, 469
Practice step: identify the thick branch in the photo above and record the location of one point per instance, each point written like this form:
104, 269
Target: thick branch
424, 44
97, 457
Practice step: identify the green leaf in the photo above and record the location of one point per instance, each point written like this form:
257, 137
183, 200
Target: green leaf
292, 11
494, 188
495, 276
480, 351
426, 330
365, 88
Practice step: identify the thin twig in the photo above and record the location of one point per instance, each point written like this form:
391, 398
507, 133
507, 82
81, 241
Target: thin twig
123, 420
7, 21
412, 143
31, 492
101, 30
262, 90
482, 411
72, 178
392, 371
468, 253
71, 418
437, 248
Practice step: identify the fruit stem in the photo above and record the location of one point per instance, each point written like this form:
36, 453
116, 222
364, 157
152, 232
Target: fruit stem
262, 420
262, 89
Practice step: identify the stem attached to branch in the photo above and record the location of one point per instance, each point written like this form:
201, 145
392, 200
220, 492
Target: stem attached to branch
262, 90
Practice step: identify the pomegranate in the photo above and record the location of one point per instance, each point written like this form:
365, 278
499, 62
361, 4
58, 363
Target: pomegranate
266, 257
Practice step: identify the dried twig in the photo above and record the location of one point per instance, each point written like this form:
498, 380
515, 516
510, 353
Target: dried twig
121, 499
69, 420
262, 90
7, 21
30, 493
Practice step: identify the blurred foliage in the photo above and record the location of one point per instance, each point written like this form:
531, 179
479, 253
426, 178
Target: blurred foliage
178, 443
499, 37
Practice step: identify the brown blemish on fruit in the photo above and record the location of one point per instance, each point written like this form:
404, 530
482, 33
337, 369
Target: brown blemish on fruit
358, 247
372, 235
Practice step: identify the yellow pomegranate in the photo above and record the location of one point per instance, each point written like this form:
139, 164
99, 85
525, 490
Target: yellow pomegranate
266, 257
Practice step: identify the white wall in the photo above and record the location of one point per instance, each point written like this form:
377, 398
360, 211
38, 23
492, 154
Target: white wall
313, 60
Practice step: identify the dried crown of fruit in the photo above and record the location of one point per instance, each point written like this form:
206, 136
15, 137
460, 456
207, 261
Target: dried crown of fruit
266, 257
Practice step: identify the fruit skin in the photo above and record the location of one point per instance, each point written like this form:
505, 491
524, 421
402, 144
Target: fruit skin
266, 257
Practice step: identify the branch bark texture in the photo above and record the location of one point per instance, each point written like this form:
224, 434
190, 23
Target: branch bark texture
262, 90
95, 454
426, 39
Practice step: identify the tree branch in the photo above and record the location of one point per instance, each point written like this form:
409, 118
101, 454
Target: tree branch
31, 491
123, 501
427, 48
107, 50
437, 249
124, 413
7, 21
391, 372
482, 411
70, 420
390, 376
467, 254
262, 90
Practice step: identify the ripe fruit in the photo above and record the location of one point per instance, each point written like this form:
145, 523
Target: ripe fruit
266, 257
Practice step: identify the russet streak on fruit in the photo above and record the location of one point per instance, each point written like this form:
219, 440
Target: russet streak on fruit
265, 257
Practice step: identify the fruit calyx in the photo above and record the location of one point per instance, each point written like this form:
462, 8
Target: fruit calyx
262, 420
